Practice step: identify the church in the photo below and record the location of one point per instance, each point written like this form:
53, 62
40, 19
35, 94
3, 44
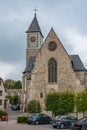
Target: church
49, 68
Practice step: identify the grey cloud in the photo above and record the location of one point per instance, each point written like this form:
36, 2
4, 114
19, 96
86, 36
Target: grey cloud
17, 15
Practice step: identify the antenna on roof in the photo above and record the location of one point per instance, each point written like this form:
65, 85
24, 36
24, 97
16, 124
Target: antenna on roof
35, 10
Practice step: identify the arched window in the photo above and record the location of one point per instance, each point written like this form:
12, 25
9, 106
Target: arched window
52, 70
41, 95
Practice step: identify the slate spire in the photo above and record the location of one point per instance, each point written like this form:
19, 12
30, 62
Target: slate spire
34, 26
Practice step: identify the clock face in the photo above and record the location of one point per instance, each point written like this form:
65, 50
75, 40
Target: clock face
33, 39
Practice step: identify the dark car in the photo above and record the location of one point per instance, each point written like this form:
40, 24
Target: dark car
81, 124
15, 107
63, 121
39, 118
33, 114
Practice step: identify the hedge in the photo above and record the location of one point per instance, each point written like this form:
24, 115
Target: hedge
22, 119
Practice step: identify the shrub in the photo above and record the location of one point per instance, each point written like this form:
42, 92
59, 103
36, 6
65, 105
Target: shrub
34, 106
22, 119
2, 113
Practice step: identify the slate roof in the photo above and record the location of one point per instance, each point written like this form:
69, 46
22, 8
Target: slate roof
34, 26
77, 63
29, 76
1, 78
30, 65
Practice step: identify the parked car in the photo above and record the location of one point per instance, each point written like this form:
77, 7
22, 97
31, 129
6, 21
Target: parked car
4, 118
63, 121
15, 107
39, 118
81, 124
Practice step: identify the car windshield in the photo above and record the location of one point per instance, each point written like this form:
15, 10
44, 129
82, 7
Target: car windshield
57, 117
34, 117
83, 119
65, 117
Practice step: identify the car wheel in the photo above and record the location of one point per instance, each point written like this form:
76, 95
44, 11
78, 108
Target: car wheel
62, 126
1, 119
49, 122
36, 122
6, 119
54, 127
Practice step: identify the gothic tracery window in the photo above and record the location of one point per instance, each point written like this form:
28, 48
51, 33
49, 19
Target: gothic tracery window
52, 70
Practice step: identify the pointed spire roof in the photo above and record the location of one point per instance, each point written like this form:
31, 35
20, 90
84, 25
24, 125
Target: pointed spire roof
34, 26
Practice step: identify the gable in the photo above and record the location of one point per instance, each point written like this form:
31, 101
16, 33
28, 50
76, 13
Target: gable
52, 37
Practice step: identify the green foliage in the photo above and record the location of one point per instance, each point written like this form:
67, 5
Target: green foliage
21, 119
60, 103
12, 84
18, 84
66, 102
2, 113
51, 102
34, 106
13, 99
81, 101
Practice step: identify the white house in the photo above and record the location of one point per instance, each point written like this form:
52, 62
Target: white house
2, 94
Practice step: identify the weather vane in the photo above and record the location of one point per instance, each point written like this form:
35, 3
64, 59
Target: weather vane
35, 10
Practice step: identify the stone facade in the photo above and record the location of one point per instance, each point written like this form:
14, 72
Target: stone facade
67, 77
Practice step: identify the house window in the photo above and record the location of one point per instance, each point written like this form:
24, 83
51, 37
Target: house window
41, 95
0, 92
52, 70
0, 102
0, 82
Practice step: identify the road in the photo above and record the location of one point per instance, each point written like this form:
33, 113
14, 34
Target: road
13, 114
12, 124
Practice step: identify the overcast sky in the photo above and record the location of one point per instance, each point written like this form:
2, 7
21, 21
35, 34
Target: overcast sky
67, 17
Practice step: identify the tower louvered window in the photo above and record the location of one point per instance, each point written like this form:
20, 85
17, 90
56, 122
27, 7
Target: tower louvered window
52, 70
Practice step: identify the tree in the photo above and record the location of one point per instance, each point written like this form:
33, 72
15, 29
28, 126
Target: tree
9, 83
66, 102
13, 99
18, 84
12, 84
16, 99
81, 101
60, 103
51, 102
34, 106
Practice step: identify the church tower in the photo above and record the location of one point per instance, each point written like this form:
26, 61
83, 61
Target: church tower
34, 39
